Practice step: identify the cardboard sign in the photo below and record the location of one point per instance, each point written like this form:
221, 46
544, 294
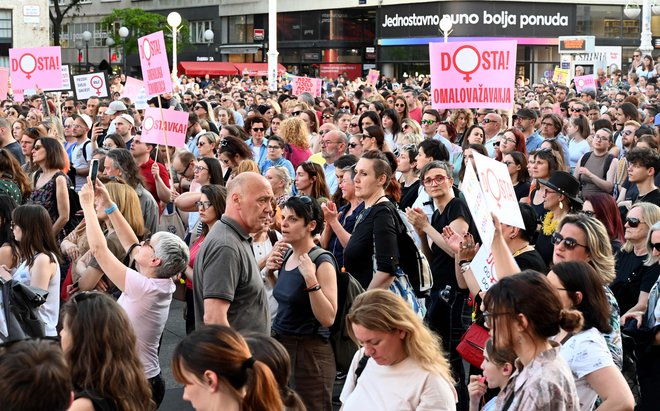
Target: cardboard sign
477, 74
560, 76
301, 85
155, 67
132, 88
36, 67
91, 85
483, 267
582, 82
172, 123
372, 77
497, 188
66, 80
476, 201
141, 100
4, 83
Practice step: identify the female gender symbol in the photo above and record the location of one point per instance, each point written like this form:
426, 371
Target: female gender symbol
28, 64
96, 81
466, 61
148, 123
146, 51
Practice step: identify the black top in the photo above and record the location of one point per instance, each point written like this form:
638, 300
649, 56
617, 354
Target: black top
521, 190
540, 210
375, 226
99, 403
442, 265
531, 260
408, 195
632, 277
348, 222
544, 247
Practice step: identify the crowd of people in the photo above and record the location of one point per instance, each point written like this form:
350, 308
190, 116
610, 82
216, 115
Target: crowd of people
274, 199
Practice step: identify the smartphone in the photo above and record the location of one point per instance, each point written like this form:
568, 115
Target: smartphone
94, 171
98, 118
75, 285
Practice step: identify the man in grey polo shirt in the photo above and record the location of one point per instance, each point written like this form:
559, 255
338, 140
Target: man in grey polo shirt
228, 288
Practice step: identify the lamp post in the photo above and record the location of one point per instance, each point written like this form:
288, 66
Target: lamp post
123, 33
174, 21
109, 42
79, 46
208, 36
445, 26
272, 46
87, 36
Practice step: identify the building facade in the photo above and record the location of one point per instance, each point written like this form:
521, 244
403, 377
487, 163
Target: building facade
23, 23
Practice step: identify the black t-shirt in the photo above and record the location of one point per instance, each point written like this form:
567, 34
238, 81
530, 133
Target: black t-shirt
544, 247
652, 197
408, 195
632, 277
521, 190
376, 226
442, 265
531, 260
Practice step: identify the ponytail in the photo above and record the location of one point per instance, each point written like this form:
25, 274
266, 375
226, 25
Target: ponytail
571, 320
262, 392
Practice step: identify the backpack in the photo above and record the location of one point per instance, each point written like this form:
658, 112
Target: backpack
348, 288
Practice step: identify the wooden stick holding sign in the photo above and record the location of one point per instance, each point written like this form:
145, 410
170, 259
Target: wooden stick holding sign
167, 151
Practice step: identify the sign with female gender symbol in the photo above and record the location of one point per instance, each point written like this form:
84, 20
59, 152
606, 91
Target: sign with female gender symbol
91, 85
33, 68
155, 67
473, 75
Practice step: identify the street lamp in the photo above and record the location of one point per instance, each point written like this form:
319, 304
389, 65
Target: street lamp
109, 42
87, 36
445, 26
79, 46
123, 33
208, 36
174, 21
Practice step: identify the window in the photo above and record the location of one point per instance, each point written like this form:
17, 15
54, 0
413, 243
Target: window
72, 32
197, 29
5, 24
241, 29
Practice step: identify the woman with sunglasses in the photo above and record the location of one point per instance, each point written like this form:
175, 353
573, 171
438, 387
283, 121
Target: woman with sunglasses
604, 208
596, 376
355, 145
310, 181
147, 290
634, 279
516, 163
207, 144
523, 312
346, 105
295, 133
306, 293
410, 126
232, 151
204, 111
373, 138
582, 238
100, 347
401, 107
113, 140
578, 131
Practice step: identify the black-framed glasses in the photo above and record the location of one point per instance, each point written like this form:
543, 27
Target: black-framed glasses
489, 317
656, 246
354, 125
258, 129
204, 205
346, 107
508, 163
199, 169
296, 113
496, 144
327, 142
569, 242
633, 222
201, 143
588, 213
147, 242
353, 145
488, 120
399, 105
327, 116
577, 110
275, 147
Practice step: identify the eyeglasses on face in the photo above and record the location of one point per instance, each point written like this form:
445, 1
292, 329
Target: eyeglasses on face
327, 116
199, 169
626, 132
588, 213
437, 180
274, 147
577, 110
353, 145
354, 125
569, 242
489, 120
296, 113
201, 143
146, 242
258, 129
204, 205
347, 107
633, 222
656, 247
399, 105
429, 122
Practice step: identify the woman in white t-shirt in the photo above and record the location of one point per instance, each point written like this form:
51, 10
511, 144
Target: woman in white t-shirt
147, 290
580, 287
400, 365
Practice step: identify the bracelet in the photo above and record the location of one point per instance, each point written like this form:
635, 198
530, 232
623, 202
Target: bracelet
465, 267
313, 288
464, 261
111, 209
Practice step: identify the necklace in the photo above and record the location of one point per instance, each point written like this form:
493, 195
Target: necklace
520, 251
549, 225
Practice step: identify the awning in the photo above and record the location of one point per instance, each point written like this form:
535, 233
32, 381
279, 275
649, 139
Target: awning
240, 48
257, 69
212, 68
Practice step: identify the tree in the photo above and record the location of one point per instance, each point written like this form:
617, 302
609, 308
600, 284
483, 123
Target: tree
57, 15
140, 23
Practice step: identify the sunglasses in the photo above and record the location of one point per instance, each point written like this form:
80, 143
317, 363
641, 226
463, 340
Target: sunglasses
399, 105
258, 129
656, 247
429, 122
569, 242
496, 144
353, 145
354, 125
588, 213
487, 120
346, 107
633, 222
327, 116
274, 147
577, 110
204, 205
201, 143
296, 113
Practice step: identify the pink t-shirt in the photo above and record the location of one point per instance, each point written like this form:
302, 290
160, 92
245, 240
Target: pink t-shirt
147, 303
299, 155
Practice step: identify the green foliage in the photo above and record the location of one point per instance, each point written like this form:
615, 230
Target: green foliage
140, 23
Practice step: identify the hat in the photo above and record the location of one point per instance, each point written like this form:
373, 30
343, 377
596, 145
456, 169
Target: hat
87, 119
527, 113
589, 91
564, 183
114, 107
128, 118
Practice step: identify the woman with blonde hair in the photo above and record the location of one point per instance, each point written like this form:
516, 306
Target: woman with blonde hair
280, 181
462, 119
295, 133
218, 372
400, 365
410, 126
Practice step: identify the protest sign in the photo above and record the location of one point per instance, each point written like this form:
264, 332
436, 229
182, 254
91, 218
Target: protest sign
174, 123
66, 80
301, 85
132, 88
36, 68
476, 201
141, 100
582, 82
372, 77
4, 83
483, 267
560, 76
155, 67
478, 74
91, 85
497, 188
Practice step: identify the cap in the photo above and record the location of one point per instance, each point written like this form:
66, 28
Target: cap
128, 118
87, 119
526, 113
114, 107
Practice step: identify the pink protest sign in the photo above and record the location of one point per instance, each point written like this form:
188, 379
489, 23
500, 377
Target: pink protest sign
4, 83
155, 67
132, 88
478, 74
301, 85
174, 123
33, 68
583, 82
372, 77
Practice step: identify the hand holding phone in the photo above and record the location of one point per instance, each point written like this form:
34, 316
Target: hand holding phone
93, 171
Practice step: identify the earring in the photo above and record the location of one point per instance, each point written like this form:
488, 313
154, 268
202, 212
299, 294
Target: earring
561, 205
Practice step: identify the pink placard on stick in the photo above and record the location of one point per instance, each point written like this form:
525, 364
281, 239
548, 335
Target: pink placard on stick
582, 82
155, 67
372, 77
33, 68
478, 74
301, 85
4, 83
132, 88
175, 124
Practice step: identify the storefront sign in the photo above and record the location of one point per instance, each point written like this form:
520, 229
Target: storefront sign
603, 57
352, 71
576, 44
473, 75
478, 19
154, 63
164, 127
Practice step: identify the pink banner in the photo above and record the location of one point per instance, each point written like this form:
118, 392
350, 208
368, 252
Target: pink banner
175, 124
301, 85
372, 77
4, 83
155, 67
33, 68
583, 82
132, 88
478, 74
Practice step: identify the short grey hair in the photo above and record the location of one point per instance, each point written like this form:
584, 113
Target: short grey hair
443, 165
172, 252
651, 259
